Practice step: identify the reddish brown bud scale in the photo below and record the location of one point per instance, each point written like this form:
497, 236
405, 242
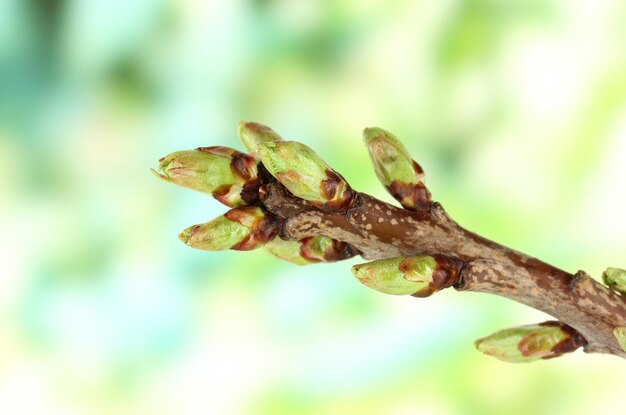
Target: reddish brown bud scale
340, 251
573, 341
336, 191
262, 228
445, 275
242, 166
411, 196
224, 194
311, 250
335, 250
418, 169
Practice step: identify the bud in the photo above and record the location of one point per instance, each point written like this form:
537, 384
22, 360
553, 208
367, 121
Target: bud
615, 279
620, 335
253, 135
242, 229
305, 174
311, 250
402, 176
532, 342
419, 276
227, 174
287, 251
324, 249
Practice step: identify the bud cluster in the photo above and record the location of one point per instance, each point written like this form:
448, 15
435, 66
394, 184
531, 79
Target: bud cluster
297, 167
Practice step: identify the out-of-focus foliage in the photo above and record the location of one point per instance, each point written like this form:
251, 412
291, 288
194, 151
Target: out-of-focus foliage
515, 109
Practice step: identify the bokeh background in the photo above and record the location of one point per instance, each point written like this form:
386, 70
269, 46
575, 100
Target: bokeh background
516, 110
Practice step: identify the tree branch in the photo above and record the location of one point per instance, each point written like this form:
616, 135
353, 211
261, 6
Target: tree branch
284, 192
380, 230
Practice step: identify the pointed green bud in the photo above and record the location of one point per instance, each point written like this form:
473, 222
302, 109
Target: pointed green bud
402, 176
419, 276
242, 229
253, 135
311, 250
615, 279
620, 335
217, 235
305, 174
227, 174
532, 342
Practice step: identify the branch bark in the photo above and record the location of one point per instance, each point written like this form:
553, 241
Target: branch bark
380, 230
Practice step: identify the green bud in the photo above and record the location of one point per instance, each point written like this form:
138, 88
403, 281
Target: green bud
287, 251
391, 160
419, 276
217, 235
311, 250
402, 176
532, 342
305, 174
316, 248
224, 173
241, 229
620, 335
615, 279
253, 135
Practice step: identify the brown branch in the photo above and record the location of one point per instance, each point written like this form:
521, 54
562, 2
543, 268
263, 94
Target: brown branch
380, 230
283, 188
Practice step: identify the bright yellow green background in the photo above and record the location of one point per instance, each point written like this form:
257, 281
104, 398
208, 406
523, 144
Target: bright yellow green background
515, 109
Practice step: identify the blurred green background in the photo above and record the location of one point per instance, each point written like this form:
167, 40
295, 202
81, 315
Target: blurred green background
515, 109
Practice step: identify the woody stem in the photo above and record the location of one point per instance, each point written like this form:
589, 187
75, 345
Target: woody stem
380, 230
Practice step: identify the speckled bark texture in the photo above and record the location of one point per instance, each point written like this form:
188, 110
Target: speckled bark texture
379, 230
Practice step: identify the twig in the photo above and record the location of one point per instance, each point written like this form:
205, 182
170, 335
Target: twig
289, 200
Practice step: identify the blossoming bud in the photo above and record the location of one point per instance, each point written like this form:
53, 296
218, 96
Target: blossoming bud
305, 174
227, 174
532, 342
615, 279
419, 276
402, 176
311, 250
242, 229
